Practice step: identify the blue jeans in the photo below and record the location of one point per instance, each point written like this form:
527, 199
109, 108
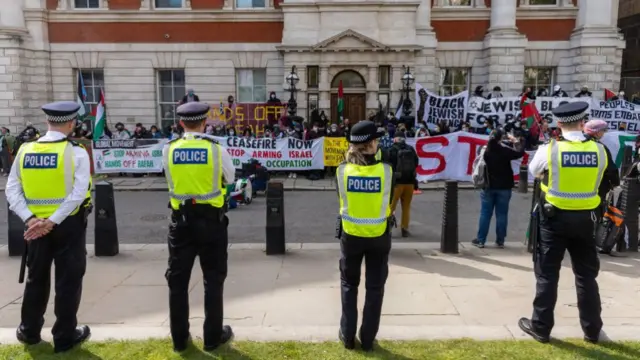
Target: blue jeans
494, 199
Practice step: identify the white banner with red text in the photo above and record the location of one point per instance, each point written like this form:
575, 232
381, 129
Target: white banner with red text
451, 156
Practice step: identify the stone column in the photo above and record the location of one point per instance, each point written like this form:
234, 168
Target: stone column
596, 47
324, 88
372, 88
504, 48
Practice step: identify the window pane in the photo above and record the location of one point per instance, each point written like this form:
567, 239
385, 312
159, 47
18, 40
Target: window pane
244, 3
258, 3
168, 3
178, 78
86, 4
350, 79
259, 93
245, 94
178, 93
260, 77
543, 2
166, 94
457, 3
98, 78
87, 78
312, 76
165, 77
168, 111
245, 78
383, 76
460, 77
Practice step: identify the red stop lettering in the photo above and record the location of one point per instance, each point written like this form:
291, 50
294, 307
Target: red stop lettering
474, 143
431, 154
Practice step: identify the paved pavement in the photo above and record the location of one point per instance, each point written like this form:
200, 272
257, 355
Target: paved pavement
142, 217
478, 294
158, 183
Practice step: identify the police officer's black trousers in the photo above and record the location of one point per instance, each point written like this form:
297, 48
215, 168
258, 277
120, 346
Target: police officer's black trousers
375, 252
65, 246
203, 234
572, 231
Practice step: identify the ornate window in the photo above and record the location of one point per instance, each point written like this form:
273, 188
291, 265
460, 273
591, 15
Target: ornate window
538, 78
169, 4
454, 80
252, 85
86, 4
546, 2
350, 79
460, 3
171, 89
251, 4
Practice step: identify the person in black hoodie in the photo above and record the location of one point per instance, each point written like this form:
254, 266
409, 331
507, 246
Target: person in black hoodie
497, 195
404, 161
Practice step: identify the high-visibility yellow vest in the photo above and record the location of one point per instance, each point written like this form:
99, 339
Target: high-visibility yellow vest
575, 172
47, 173
194, 171
364, 198
379, 155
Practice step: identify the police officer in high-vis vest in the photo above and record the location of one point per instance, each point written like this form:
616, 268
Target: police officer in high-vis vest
197, 167
365, 188
49, 188
571, 169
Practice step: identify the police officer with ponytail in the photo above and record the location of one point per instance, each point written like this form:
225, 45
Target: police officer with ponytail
572, 170
365, 189
197, 167
49, 188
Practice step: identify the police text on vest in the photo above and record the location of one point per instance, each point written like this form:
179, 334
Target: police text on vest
40, 161
579, 159
190, 156
364, 184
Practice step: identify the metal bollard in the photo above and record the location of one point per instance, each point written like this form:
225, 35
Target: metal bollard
627, 160
15, 232
449, 234
523, 183
630, 196
275, 229
533, 220
106, 228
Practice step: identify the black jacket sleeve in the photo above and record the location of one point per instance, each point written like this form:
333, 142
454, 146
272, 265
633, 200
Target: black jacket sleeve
611, 178
513, 153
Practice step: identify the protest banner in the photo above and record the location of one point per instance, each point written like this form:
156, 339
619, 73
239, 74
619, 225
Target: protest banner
451, 156
335, 149
432, 108
128, 156
242, 115
620, 114
286, 154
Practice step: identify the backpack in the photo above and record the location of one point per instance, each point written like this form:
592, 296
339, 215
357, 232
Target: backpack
479, 173
406, 166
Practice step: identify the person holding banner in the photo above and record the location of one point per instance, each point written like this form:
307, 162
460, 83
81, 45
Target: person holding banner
365, 187
572, 169
197, 167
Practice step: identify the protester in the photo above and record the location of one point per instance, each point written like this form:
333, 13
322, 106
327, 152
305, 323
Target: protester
190, 96
528, 92
497, 195
4, 152
121, 133
479, 91
595, 129
558, 92
155, 134
404, 161
141, 132
542, 92
584, 92
273, 101
496, 93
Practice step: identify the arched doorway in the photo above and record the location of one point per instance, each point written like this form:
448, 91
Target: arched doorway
355, 98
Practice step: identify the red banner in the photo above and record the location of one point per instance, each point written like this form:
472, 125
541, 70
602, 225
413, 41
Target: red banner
243, 115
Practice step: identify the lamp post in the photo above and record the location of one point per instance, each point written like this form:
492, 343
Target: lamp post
407, 81
292, 79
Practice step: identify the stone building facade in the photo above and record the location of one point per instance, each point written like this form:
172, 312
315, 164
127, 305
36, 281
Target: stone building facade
144, 53
629, 24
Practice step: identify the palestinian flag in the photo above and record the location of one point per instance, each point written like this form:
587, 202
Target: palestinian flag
531, 115
608, 95
340, 103
81, 96
100, 119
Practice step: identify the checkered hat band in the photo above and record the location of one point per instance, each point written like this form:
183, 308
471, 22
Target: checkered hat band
64, 118
194, 118
359, 137
573, 118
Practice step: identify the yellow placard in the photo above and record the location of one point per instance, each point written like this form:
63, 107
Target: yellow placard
335, 149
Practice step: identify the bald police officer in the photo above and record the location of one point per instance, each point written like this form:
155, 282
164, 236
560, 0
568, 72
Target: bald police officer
49, 188
196, 167
572, 170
